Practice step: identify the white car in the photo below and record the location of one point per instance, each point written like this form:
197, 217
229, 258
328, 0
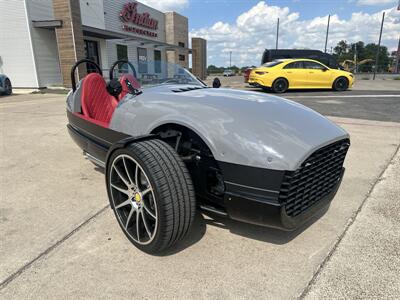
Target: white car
228, 73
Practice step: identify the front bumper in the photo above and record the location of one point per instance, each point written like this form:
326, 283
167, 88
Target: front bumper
268, 212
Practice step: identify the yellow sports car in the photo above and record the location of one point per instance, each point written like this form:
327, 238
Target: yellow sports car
283, 74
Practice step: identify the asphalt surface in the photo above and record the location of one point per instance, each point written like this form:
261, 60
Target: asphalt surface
59, 239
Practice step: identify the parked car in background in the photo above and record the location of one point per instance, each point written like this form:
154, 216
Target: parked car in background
5, 85
325, 58
228, 73
283, 74
246, 74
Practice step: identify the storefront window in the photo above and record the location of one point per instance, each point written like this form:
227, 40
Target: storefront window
182, 57
142, 60
157, 61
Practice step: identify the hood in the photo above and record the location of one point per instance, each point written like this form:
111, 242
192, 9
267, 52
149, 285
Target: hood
241, 127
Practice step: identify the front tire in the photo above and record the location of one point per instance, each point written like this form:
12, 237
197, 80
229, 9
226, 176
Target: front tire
280, 86
152, 195
340, 84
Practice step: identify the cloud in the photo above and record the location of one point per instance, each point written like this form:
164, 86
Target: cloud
255, 30
375, 2
167, 5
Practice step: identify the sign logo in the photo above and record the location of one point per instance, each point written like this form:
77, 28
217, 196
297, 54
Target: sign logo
129, 15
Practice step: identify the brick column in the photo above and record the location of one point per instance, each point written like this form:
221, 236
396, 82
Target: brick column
69, 37
199, 57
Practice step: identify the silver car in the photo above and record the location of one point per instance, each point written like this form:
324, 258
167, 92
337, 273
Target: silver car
171, 145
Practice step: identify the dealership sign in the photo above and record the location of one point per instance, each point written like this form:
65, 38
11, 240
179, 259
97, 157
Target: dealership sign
130, 16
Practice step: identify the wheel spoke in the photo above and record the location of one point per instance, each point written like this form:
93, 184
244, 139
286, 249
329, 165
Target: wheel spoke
127, 172
125, 203
137, 226
120, 189
145, 224
148, 210
121, 176
129, 217
146, 191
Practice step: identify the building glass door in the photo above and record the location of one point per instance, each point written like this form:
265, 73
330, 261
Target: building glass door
92, 53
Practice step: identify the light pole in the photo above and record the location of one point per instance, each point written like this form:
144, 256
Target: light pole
379, 46
277, 34
327, 32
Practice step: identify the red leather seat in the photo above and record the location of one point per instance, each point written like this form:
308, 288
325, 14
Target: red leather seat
97, 103
125, 89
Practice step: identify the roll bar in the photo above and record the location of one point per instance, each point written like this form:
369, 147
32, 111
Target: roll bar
73, 80
122, 61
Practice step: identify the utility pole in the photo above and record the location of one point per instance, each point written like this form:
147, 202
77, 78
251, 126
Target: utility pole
355, 58
379, 46
327, 32
397, 65
277, 34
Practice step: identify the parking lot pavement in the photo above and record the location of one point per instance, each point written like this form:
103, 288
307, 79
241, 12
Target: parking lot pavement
58, 241
367, 261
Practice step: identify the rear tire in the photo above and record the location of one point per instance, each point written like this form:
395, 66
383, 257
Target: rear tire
340, 84
152, 195
7, 87
280, 85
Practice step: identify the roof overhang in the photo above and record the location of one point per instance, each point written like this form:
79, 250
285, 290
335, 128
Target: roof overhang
47, 24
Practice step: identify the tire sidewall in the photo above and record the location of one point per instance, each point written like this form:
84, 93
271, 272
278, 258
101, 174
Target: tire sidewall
160, 214
276, 82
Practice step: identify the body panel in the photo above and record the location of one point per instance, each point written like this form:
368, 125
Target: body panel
245, 128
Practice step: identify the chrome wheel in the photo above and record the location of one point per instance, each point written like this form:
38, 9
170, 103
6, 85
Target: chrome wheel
133, 199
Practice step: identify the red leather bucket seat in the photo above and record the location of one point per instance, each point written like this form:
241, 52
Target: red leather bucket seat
97, 104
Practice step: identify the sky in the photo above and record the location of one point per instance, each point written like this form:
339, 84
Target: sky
247, 27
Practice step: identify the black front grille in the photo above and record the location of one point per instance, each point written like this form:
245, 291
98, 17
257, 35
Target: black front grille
315, 178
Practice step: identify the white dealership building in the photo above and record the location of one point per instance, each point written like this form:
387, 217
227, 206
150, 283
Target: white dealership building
40, 40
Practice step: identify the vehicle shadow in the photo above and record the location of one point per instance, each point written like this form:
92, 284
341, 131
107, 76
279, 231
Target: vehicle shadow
255, 232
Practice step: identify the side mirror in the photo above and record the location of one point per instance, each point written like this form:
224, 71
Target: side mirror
216, 83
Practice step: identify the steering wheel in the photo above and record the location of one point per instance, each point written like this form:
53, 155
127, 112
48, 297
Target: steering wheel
76, 65
119, 62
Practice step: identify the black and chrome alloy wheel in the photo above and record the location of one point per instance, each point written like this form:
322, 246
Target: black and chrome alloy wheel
151, 193
133, 199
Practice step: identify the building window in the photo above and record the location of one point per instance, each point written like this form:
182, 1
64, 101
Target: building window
92, 53
180, 44
122, 54
142, 60
182, 57
157, 61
